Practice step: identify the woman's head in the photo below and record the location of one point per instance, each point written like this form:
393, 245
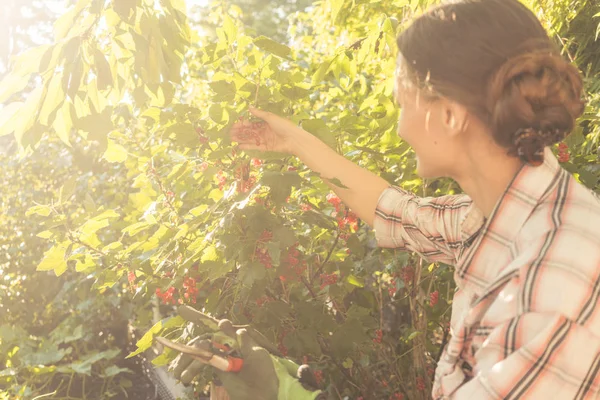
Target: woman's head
488, 63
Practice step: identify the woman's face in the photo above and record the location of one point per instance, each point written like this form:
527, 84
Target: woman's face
423, 124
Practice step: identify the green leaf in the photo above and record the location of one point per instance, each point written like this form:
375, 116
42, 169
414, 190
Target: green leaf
281, 183
45, 234
11, 85
182, 230
252, 272
53, 100
320, 73
42, 210
107, 214
336, 6
274, 250
48, 353
113, 370
89, 204
272, 46
336, 182
136, 228
413, 335
355, 246
126, 383
319, 128
63, 123
86, 265
84, 366
8, 118
588, 178
285, 236
356, 281
222, 87
229, 28
126, 9
196, 211
294, 92
303, 341
165, 358
66, 21
65, 333
348, 363
115, 153
215, 195
28, 113
92, 226
146, 341
209, 254
67, 189
54, 259
216, 113
73, 80
103, 71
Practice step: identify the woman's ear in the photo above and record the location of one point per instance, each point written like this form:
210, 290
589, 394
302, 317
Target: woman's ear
455, 117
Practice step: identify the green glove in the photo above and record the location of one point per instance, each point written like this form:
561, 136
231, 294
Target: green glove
263, 375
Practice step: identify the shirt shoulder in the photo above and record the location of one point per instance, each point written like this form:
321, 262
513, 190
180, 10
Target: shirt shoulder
558, 252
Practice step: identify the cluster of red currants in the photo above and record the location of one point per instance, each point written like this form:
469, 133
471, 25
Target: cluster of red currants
263, 300
200, 132
263, 257
191, 291
420, 383
222, 180
167, 296
393, 284
433, 298
563, 152
131, 279
265, 236
408, 275
344, 218
378, 336
328, 279
246, 181
293, 263
260, 252
318, 376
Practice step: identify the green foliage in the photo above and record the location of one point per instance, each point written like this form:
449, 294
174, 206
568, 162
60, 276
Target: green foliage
153, 194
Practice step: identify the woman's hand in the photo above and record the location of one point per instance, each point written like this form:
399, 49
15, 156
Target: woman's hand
273, 133
360, 190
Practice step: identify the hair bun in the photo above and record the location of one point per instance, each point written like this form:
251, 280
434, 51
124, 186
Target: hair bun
534, 100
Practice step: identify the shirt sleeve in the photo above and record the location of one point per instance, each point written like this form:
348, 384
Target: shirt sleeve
429, 226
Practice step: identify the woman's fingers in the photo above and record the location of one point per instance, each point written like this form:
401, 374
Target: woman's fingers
264, 115
249, 146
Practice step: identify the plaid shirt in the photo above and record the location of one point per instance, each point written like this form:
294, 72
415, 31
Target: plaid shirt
525, 317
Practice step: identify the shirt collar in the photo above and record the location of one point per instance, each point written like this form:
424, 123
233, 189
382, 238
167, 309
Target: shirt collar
523, 194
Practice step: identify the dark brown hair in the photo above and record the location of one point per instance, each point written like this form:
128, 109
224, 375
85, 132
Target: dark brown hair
495, 58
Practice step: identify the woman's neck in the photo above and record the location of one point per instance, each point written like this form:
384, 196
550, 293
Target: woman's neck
485, 175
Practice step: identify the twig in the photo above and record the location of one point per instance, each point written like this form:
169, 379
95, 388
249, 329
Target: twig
325, 351
312, 293
257, 87
335, 242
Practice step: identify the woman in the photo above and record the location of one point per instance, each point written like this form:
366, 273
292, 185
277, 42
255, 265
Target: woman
483, 94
